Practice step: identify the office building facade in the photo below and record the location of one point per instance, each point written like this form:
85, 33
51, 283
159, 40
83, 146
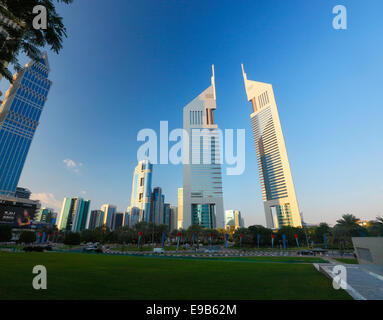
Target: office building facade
109, 212
180, 208
46, 216
166, 214
118, 221
73, 215
19, 118
202, 174
142, 191
173, 219
280, 202
95, 219
157, 206
233, 218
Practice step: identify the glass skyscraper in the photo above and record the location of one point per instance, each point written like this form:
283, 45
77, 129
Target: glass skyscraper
74, 214
19, 117
141, 192
95, 219
109, 212
157, 206
280, 202
202, 176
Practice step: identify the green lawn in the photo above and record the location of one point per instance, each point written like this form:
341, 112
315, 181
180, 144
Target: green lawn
348, 261
93, 276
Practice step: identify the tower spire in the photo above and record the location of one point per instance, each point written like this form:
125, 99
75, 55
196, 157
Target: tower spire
213, 80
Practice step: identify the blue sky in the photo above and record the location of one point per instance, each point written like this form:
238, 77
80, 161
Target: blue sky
130, 64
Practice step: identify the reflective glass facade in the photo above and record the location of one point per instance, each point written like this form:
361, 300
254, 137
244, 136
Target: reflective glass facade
157, 206
74, 214
142, 190
202, 177
19, 118
204, 215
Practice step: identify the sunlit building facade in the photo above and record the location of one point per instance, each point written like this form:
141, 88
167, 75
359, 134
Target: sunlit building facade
202, 174
233, 218
73, 215
141, 191
109, 212
180, 209
280, 202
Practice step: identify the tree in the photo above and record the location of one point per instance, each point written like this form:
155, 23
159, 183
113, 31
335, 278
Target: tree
265, 235
194, 229
375, 227
72, 239
290, 233
5, 233
24, 38
319, 231
27, 237
350, 225
90, 236
346, 228
348, 220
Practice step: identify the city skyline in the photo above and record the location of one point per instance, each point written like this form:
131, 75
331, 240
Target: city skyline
74, 158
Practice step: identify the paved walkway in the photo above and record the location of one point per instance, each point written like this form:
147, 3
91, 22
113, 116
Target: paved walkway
363, 282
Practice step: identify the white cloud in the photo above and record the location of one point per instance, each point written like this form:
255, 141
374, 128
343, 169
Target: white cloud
47, 200
72, 165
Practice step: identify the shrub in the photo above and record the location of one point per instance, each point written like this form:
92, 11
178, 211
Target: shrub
5, 233
27, 237
72, 239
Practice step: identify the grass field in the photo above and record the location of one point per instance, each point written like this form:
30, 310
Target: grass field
92, 276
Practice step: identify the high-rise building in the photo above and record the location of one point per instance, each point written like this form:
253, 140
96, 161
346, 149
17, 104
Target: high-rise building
74, 214
118, 220
109, 212
95, 219
126, 222
157, 206
45, 215
280, 202
81, 216
23, 193
134, 215
173, 219
141, 190
202, 176
180, 208
166, 219
233, 218
19, 117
